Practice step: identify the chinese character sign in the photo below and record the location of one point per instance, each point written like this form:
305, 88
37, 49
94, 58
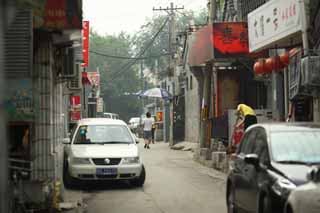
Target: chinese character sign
85, 44
57, 14
274, 21
230, 39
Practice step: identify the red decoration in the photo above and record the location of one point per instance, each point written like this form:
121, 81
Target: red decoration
85, 44
259, 66
284, 59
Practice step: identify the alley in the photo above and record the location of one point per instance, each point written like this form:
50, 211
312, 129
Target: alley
174, 183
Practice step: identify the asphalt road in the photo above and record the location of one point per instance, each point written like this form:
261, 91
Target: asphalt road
174, 183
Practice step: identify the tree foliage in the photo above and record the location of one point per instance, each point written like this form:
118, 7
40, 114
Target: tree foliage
116, 79
161, 44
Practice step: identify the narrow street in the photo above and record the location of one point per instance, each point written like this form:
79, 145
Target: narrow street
174, 183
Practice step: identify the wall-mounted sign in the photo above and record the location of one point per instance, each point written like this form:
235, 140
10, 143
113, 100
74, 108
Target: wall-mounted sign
57, 14
18, 100
274, 21
75, 108
230, 39
85, 44
99, 104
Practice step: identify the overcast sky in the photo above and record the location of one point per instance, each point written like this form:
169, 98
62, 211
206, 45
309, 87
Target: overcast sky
114, 16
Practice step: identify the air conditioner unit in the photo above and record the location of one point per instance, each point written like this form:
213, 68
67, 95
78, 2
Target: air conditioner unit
310, 71
68, 63
75, 82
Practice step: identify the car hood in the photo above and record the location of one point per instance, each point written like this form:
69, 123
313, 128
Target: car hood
295, 173
107, 150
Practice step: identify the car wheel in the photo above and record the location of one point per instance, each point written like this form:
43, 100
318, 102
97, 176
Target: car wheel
139, 181
68, 181
264, 204
231, 202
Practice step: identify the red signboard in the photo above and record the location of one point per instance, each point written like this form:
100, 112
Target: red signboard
75, 100
230, 39
85, 44
75, 116
57, 14
91, 78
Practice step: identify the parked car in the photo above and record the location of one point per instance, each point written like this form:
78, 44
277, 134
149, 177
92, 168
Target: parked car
110, 115
102, 149
134, 124
306, 198
271, 161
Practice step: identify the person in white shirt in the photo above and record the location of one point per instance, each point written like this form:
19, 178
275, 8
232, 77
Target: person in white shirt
147, 127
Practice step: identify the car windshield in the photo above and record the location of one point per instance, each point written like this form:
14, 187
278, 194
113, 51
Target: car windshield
103, 134
107, 115
296, 147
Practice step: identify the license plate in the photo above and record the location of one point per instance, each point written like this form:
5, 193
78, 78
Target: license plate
107, 171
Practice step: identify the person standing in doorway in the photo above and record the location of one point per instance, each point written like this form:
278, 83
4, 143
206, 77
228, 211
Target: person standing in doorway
147, 130
248, 116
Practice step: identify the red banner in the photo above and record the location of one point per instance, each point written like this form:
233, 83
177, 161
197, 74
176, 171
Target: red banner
85, 43
91, 78
75, 108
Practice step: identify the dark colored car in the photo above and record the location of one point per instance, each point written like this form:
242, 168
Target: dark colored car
271, 161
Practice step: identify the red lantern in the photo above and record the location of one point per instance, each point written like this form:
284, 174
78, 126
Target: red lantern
270, 64
260, 66
284, 59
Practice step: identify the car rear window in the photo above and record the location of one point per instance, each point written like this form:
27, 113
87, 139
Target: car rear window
103, 134
299, 146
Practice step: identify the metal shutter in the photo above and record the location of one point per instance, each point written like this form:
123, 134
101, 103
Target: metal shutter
18, 45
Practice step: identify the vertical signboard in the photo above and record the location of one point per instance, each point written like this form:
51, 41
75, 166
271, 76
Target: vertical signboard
274, 21
85, 43
75, 112
99, 104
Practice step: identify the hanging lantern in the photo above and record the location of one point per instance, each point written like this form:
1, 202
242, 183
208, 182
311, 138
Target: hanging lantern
259, 66
284, 59
270, 64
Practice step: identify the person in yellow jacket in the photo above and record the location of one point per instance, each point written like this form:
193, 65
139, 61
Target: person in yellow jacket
248, 116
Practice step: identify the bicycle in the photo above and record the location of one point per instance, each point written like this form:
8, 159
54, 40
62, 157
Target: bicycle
17, 195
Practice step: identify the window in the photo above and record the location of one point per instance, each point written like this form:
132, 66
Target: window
103, 134
261, 146
302, 146
247, 144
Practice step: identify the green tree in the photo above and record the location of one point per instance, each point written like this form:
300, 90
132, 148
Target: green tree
117, 80
161, 44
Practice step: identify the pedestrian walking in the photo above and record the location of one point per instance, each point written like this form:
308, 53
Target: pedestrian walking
247, 116
147, 130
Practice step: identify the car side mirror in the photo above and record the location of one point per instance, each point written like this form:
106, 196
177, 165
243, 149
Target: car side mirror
66, 141
252, 159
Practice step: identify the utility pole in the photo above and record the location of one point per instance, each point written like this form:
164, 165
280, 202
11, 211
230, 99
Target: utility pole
168, 107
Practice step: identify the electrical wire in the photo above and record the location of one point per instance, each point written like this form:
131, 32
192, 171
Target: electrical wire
130, 63
128, 58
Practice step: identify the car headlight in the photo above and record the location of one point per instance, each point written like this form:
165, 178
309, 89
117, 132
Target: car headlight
283, 187
131, 160
80, 161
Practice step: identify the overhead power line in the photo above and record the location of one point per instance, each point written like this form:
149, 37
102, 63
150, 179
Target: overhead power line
130, 63
124, 57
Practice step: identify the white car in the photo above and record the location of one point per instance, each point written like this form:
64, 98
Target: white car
134, 124
102, 149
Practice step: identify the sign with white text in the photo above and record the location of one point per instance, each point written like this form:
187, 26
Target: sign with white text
274, 21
